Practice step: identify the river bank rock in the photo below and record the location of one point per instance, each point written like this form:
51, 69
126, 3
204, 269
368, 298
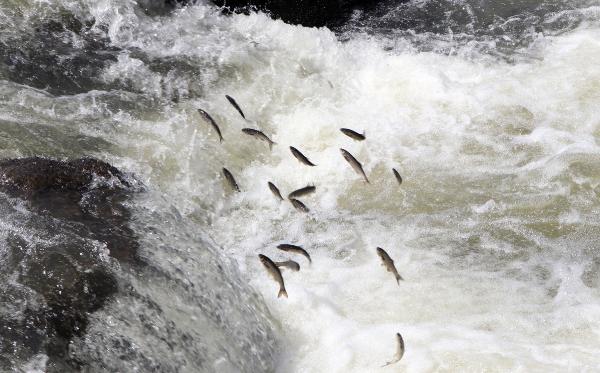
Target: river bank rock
309, 13
61, 276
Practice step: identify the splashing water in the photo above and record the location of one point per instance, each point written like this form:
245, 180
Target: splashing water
492, 124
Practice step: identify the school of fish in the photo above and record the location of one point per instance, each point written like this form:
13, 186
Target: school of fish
274, 268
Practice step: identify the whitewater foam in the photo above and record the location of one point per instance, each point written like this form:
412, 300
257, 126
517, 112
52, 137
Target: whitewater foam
493, 228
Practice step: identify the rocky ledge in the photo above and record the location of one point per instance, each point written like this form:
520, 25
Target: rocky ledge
70, 205
310, 13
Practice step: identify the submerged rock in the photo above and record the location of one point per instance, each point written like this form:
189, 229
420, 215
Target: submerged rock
30, 177
62, 56
310, 13
60, 276
78, 293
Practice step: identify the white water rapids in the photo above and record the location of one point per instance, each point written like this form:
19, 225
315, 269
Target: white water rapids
495, 228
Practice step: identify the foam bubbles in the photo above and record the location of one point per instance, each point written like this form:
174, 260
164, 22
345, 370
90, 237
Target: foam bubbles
495, 225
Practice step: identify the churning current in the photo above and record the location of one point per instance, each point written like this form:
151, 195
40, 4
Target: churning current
489, 111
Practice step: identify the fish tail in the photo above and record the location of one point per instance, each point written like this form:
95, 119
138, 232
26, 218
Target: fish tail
282, 292
398, 278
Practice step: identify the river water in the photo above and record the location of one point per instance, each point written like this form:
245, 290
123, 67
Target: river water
489, 110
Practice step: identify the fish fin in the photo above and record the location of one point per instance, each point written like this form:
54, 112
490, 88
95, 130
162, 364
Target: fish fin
282, 292
390, 362
271, 145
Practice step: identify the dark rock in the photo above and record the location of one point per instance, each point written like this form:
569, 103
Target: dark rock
310, 13
159, 7
61, 276
61, 56
28, 177
87, 191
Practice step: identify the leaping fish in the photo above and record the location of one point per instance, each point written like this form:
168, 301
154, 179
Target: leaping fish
294, 266
212, 122
294, 249
353, 134
388, 263
259, 135
235, 105
302, 191
299, 205
398, 177
230, 180
275, 273
299, 156
275, 191
354, 163
399, 351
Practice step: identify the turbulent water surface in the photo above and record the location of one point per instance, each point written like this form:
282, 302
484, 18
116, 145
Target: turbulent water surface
489, 110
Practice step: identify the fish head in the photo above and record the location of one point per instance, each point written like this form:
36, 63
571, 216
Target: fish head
345, 154
263, 259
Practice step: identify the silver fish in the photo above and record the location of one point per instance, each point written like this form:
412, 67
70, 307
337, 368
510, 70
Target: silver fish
353, 134
274, 271
259, 135
399, 351
294, 249
294, 266
354, 163
230, 180
235, 105
398, 177
299, 205
388, 263
212, 122
299, 156
275, 191
302, 191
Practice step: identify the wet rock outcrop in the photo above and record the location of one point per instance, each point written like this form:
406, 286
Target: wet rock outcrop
80, 291
310, 13
56, 264
62, 56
